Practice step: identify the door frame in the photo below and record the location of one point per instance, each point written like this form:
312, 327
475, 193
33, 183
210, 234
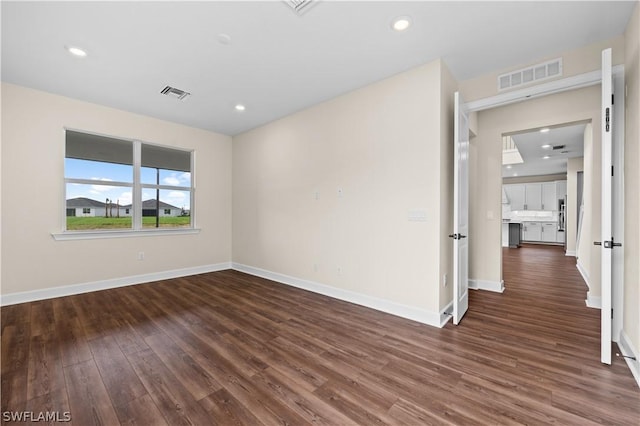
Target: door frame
563, 85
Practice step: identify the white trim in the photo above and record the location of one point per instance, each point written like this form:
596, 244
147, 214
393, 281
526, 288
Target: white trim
571, 253
627, 349
68, 290
93, 235
553, 87
594, 302
435, 319
494, 286
583, 272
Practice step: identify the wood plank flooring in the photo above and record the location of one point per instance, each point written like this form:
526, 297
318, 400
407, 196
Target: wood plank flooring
228, 348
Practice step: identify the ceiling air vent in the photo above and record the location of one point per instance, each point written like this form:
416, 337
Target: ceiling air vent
174, 93
300, 6
556, 147
530, 74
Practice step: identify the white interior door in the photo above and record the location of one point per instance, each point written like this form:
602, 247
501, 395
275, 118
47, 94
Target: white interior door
460, 211
607, 241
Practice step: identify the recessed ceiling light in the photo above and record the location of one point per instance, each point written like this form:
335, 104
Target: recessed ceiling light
509, 166
401, 23
546, 146
240, 107
515, 174
76, 51
546, 157
545, 130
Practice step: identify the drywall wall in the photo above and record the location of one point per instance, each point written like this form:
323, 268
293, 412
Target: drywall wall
574, 62
574, 165
631, 322
527, 179
486, 160
325, 195
33, 141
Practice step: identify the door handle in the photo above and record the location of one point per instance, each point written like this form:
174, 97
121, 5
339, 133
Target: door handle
457, 236
611, 244
607, 244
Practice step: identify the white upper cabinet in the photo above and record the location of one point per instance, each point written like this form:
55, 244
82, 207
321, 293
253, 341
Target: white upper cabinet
533, 196
561, 189
515, 196
542, 196
549, 199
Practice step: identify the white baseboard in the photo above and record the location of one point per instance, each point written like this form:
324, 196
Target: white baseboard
583, 272
571, 253
593, 302
435, 319
495, 286
628, 350
68, 290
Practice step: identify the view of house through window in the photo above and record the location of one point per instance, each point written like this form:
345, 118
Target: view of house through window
102, 192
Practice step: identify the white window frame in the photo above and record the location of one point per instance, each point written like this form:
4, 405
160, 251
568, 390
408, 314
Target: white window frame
136, 229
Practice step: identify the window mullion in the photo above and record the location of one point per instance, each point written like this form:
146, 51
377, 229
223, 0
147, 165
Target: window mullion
137, 187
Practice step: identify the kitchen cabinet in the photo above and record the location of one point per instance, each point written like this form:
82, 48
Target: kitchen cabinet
561, 189
549, 199
533, 196
531, 231
524, 196
549, 230
515, 196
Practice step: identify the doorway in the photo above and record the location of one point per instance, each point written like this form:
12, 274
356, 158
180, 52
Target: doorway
540, 184
504, 114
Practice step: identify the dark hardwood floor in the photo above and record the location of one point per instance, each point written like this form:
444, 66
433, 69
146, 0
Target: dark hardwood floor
229, 348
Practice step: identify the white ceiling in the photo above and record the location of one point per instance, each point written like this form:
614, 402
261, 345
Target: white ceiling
530, 146
277, 62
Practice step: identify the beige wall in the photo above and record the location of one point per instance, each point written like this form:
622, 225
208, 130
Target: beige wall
33, 125
527, 179
574, 165
632, 183
574, 62
486, 161
382, 146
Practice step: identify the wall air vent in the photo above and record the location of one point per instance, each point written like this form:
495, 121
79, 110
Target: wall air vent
532, 74
174, 93
300, 6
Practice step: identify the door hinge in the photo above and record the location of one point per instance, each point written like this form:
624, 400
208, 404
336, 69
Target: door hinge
607, 119
611, 170
612, 99
611, 313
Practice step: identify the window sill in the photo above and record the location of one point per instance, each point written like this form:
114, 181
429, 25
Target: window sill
95, 235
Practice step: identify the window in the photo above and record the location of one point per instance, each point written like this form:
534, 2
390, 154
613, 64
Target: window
125, 185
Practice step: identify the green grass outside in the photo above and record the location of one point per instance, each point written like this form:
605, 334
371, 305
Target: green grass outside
90, 223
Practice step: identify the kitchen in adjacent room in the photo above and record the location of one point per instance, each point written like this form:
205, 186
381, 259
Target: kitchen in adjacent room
540, 176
